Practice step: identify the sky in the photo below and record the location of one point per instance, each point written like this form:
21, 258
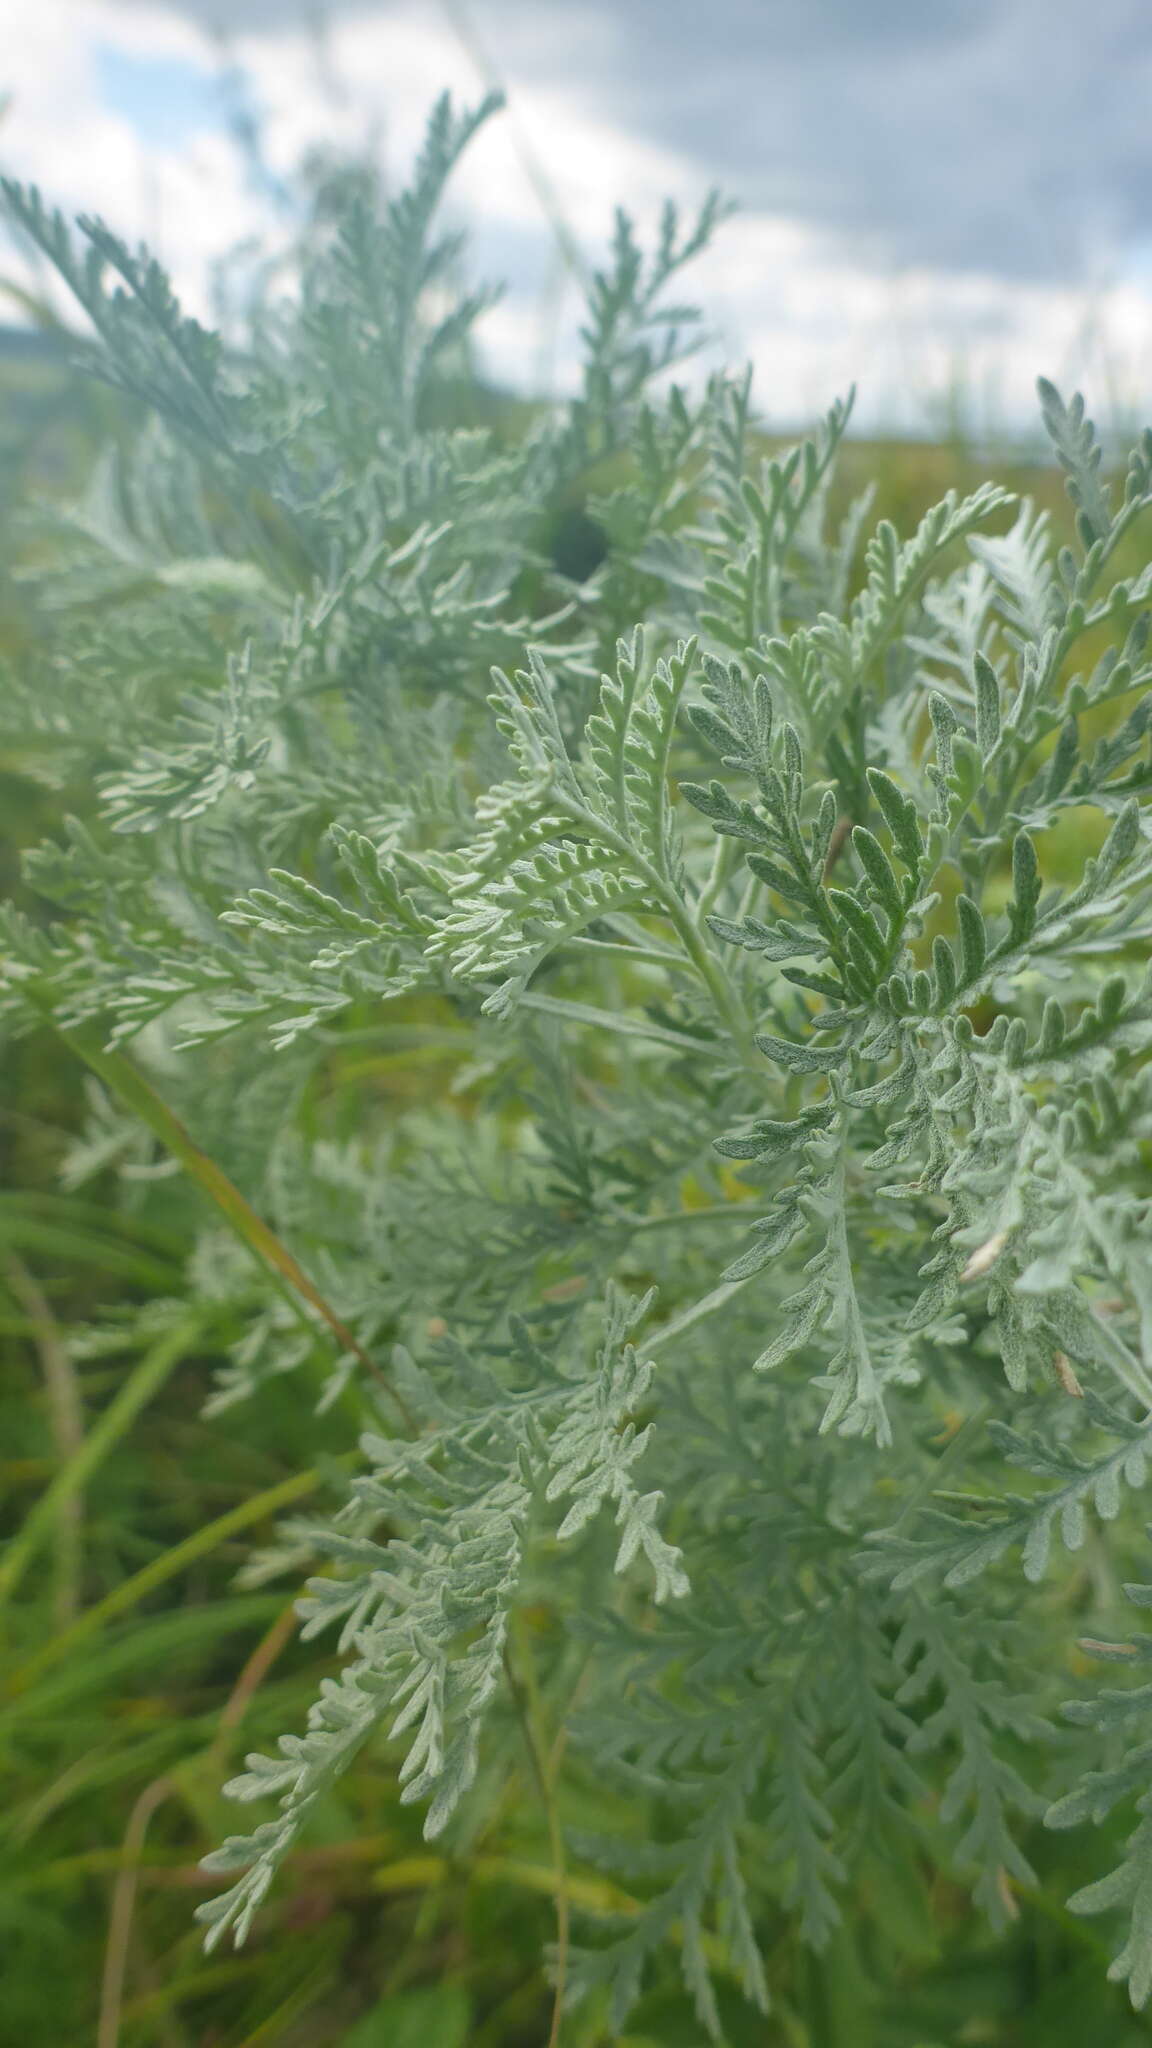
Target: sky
937, 199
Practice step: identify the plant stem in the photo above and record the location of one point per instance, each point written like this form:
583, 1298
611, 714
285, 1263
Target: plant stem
689, 1317
608, 1020
530, 1707
66, 1411
138, 1095
140, 1386
957, 1443
133, 1590
123, 1904
723, 865
713, 1212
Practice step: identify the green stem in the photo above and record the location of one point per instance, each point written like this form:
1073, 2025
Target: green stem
673, 907
689, 1317
724, 855
133, 1590
138, 1095
622, 949
138, 1389
1129, 1369
530, 1705
868, 1394
608, 1020
66, 1413
711, 1212
716, 982
957, 1443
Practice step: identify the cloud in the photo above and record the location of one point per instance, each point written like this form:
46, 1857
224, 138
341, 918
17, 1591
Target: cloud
1004, 136
186, 193
911, 218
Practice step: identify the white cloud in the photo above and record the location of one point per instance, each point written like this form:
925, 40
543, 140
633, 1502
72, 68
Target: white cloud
191, 200
919, 343
814, 312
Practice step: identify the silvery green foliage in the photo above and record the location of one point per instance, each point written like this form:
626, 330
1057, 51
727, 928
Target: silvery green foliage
427, 1611
720, 891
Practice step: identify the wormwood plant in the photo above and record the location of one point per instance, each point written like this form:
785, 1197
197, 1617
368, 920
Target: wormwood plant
745, 1317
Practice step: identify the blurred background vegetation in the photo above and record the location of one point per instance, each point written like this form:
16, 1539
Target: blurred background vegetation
145, 1654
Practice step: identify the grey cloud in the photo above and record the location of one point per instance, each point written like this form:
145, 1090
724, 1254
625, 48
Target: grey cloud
1007, 136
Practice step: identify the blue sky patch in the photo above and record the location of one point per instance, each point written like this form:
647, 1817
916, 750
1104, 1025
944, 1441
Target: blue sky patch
166, 99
